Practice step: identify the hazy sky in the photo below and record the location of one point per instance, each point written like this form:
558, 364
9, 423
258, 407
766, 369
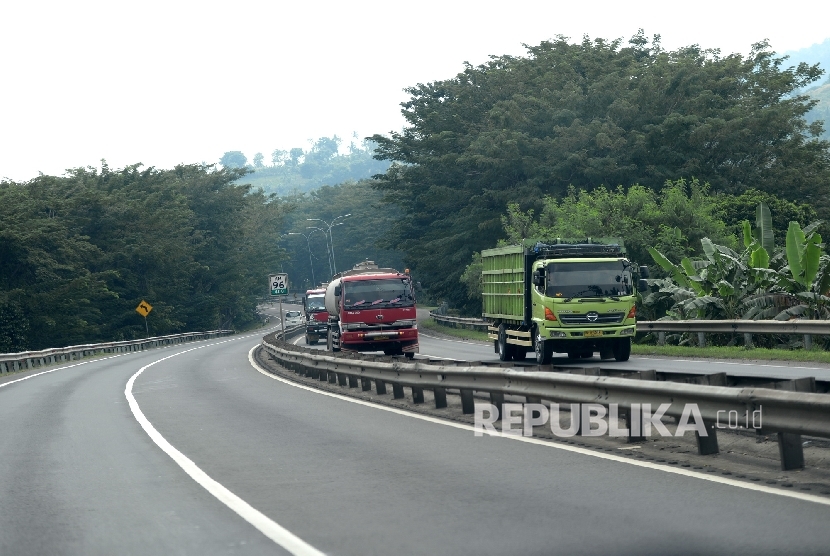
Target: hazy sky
184, 81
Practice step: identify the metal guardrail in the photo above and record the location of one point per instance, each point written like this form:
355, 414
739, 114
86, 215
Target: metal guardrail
11, 362
807, 328
460, 322
787, 413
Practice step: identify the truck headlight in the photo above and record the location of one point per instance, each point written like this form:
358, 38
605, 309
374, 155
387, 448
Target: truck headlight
627, 332
558, 334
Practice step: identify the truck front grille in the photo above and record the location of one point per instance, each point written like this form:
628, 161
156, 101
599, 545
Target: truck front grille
583, 319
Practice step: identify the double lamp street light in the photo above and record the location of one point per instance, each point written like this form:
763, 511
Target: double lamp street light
329, 242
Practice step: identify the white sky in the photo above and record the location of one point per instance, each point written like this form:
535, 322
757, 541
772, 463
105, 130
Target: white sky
163, 82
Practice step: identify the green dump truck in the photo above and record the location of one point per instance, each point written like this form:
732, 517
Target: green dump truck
564, 296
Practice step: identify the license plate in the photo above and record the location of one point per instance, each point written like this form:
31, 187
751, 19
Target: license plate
593, 333
381, 338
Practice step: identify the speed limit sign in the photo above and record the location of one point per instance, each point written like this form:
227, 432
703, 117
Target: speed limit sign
278, 284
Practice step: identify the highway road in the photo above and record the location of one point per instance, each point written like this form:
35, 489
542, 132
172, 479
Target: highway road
194, 450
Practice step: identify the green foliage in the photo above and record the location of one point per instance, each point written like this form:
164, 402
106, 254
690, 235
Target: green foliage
673, 219
734, 209
751, 285
518, 129
80, 252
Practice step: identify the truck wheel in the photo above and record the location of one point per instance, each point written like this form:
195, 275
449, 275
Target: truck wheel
505, 349
307, 340
410, 354
606, 353
543, 349
622, 349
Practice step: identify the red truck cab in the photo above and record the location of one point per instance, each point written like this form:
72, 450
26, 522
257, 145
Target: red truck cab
317, 318
374, 310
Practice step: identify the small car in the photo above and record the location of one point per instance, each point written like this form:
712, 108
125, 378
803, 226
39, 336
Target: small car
294, 318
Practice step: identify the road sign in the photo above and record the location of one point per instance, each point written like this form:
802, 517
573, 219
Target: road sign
278, 284
144, 308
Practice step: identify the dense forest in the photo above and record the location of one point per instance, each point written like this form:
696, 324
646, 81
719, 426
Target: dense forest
81, 251
597, 113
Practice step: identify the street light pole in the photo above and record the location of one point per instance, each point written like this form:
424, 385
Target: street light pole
311, 262
331, 239
326, 241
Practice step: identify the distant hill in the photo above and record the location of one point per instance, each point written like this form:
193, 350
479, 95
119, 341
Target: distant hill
816, 54
299, 171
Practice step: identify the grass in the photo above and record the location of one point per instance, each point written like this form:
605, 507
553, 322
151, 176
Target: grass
816, 355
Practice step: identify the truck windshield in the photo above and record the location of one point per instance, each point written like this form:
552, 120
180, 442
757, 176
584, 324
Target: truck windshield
314, 303
588, 279
375, 294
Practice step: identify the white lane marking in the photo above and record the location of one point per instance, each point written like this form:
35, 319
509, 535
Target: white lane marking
110, 357
566, 447
62, 368
268, 527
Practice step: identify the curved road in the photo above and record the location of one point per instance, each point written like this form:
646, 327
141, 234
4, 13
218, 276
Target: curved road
82, 476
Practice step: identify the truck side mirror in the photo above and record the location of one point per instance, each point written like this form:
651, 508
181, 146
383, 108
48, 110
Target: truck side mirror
336, 291
643, 271
642, 285
539, 278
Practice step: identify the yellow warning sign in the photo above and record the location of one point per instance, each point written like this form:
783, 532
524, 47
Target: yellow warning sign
143, 308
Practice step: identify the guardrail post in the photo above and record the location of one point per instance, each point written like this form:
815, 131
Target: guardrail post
661, 338
808, 342
701, 339
467, 402
417, 395
707, 445
366, 384
790, 448
497, 399
380, 387
332, 377
323, 375
748, 340
341, 379
440, 397
397, 391
791, 451
352, 381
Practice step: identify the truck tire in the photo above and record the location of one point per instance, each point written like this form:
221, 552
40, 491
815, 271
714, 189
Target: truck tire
543, 349
307, 341
622, 349
505, 349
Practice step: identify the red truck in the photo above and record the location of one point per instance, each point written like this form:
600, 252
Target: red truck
372, 309
316, 316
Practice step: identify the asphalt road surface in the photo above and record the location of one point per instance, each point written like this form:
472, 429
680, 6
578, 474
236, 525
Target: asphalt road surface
237, 462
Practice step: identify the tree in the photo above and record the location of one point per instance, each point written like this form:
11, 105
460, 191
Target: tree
233, 159
258, 158
81, 251
595, 113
